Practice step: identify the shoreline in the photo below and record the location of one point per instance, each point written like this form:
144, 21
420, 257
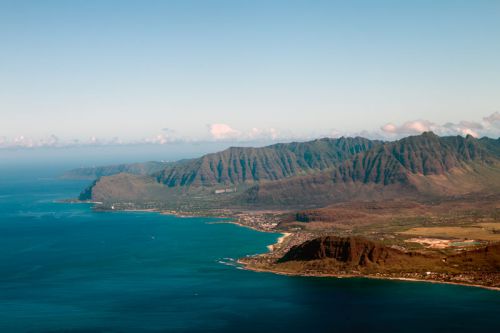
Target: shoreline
279, 241
238, 224
248, 267
273, 248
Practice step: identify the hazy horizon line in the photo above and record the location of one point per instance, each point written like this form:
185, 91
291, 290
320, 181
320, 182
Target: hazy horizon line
488, 126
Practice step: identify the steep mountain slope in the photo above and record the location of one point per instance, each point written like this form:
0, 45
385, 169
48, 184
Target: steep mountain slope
424, 164
248, 165
426, 154
319, 172
239, 167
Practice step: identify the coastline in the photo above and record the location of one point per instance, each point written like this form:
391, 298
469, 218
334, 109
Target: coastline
273, 249
248, 267
236, 223
279, 241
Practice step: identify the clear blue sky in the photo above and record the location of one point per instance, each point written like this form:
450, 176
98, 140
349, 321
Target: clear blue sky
128, 69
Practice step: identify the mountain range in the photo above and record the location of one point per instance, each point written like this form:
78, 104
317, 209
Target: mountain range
305, 174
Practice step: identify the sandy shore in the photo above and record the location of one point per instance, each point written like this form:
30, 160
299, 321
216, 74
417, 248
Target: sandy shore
279, 241
238, 224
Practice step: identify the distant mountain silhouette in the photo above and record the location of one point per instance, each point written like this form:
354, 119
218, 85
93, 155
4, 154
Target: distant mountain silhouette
145, 168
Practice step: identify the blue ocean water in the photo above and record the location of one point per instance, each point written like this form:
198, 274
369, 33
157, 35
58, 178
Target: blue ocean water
65, 268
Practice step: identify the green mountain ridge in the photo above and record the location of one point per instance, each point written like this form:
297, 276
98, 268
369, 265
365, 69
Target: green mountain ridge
238, 165
314, 173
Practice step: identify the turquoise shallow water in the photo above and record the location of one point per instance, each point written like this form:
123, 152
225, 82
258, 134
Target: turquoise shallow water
65, 268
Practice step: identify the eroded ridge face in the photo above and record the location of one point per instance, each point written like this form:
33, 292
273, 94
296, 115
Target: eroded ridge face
313, 174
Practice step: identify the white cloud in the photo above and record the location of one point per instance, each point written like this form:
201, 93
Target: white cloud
27, 142
22, 141
167, 135
223, 132
262, 134
487, 126
490, 126
461, 128
410, 127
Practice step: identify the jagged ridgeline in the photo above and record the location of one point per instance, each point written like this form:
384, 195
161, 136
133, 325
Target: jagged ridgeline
238, 165
311, 174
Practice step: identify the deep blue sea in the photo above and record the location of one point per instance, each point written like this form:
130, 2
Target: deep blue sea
65, 268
